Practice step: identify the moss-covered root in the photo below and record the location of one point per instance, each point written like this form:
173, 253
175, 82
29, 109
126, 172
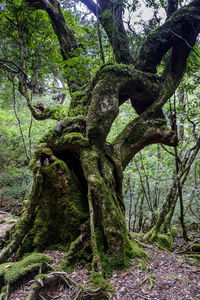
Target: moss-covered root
44, 280
101, 289
11, 273
151, 234
164, 240
194, 257
79, 251
96, 288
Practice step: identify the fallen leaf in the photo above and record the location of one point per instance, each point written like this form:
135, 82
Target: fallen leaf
7, 266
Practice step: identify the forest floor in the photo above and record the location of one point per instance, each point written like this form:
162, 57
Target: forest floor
165, 276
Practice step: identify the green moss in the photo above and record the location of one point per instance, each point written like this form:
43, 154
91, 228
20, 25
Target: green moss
195, 247
42, 149
79, 110
120, 247
40, 276
33, 166
138, 234
152, 280
60, 247
164, 241
124, 73
79, 252
137, 251
142, 266
59, 211
50, 135
105, 259
75, 138
175, 231
99, 282
103, 288
11, 272
57, 113
194, 257
4, 291
79, 103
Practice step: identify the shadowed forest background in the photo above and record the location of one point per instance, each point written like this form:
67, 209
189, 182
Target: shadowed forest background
99, 139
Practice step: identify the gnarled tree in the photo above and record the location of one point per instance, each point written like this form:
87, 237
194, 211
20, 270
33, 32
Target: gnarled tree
76, 198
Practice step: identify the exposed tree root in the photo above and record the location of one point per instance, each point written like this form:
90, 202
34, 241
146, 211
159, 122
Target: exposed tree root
42, 281
81, 291
163, 238
13, 273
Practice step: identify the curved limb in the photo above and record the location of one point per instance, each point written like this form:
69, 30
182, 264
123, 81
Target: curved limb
40, 112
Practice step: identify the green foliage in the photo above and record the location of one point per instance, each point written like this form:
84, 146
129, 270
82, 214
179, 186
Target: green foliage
149, 177
15, 176
32, 33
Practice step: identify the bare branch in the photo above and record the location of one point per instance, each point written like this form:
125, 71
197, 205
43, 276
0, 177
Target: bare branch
170, 152
14, 64
18, 120
185, 42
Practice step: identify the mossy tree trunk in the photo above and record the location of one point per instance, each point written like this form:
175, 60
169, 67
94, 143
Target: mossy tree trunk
76, 199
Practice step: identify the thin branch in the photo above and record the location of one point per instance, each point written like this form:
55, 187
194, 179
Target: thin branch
168, 151
44, 112
143, 188
29, 136
8, 69
147, 179
180, 37
18, 120
14, 64
9, 34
